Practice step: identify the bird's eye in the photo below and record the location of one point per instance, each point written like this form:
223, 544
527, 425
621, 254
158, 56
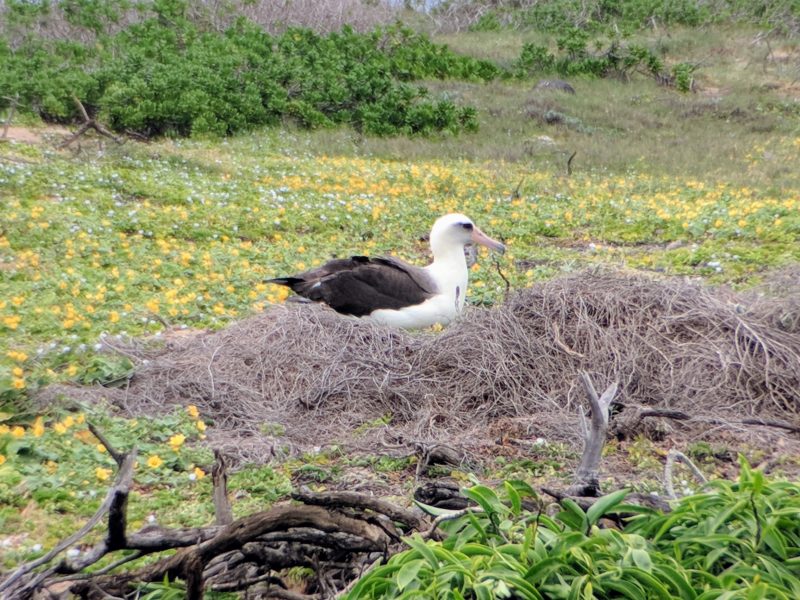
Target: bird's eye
467, 226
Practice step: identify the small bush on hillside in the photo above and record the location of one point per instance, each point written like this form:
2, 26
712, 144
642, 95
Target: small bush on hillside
574, 58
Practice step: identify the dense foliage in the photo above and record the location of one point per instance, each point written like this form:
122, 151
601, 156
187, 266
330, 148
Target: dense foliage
166, 75
735, 540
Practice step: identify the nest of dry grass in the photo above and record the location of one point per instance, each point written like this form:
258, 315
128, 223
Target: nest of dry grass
321, 376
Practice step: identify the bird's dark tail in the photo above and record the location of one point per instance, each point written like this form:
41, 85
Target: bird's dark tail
287, 281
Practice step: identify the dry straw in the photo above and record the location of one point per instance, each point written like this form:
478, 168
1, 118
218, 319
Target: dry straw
314, 377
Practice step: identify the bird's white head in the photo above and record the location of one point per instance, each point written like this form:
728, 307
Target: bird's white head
454, 231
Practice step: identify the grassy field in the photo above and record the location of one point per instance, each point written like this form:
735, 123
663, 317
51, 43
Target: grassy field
124, 240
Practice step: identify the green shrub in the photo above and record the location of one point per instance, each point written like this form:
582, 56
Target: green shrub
166, 76
737, 540
574, 58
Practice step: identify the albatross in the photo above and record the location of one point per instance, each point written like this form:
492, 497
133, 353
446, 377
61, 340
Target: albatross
393, 292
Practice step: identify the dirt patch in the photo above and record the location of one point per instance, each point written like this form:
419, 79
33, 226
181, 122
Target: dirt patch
296, 377
34, 135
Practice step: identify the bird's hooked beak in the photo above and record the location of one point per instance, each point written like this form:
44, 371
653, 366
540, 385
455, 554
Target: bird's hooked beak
478, 237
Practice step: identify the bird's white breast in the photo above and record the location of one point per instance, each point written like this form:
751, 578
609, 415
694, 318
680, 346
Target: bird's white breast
451, 281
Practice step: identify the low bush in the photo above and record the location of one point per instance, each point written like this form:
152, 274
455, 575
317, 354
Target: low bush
166, 76
735, 540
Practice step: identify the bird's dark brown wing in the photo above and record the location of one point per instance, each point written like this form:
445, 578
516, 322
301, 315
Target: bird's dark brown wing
360, 285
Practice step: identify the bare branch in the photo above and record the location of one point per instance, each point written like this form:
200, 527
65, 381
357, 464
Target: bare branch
122, 483
587, 475
219, 477
672, 456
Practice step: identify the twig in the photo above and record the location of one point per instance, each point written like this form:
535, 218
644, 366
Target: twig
515, 194
503, 277
118, 457
672, 456
569, 163
451, 517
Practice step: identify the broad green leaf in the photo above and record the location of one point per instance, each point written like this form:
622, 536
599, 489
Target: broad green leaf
605, 504
418, 544
433, 510
513, 497
573, 516
541, 570
482, 591
641, 558
523, 488
677, 579
408, 573
485, 498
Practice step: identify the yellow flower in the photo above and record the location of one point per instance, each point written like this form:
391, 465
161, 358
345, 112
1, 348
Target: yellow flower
2, 459
154, 461
192, 411
100, 448
69, 422
18, 432
84, 435
113, 316
201, 426
59, 428
80, 418
4, 429
17, 372
102, 474
18, 383
72, 370
176, 441
38, 427
12, 321
199, 473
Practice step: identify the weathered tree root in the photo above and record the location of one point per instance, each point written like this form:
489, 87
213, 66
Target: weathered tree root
338, 534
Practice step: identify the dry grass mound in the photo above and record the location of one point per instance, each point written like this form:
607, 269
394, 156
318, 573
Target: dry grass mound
320, 376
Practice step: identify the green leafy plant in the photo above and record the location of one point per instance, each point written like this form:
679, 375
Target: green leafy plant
738, 540
166, 75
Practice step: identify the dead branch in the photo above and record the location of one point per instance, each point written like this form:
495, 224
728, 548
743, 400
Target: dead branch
433, 454
361, 501
672, 456
451, 517
515, 195
88, 123
219, 478
569, 162
12, 108
116, 495
633, 423
118, 457
441, 494
188, 564
587, 481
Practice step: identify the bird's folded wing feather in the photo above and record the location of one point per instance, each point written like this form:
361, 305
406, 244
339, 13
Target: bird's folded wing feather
378, 284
